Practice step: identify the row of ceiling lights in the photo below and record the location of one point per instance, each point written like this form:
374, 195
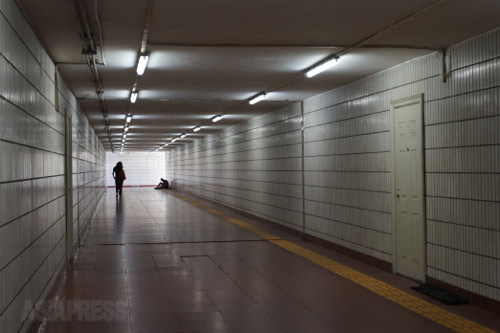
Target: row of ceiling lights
141, 68
183, 135
128, 119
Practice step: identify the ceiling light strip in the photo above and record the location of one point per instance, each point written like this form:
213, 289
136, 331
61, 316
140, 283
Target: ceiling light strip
256, 99
133, 96
143, 62
323, 66
216, 118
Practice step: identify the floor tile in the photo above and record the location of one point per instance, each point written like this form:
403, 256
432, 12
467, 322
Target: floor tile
176, 268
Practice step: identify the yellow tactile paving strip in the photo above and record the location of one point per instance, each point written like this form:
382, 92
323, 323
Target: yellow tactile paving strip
410, 302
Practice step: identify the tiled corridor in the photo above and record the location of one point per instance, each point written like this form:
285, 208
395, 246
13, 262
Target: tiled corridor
164, 265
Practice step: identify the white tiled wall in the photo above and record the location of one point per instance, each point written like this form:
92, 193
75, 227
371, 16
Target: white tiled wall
256, 166
32, 149
88, 162
142, 169
347, 152
170, 167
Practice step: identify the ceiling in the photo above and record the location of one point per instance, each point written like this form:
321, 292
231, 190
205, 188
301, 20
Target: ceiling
208, 57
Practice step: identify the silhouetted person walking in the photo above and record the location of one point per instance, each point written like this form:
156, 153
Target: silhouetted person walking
119, 176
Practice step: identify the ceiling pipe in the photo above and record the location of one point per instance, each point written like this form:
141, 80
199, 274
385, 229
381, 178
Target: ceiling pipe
392, 26
359, 44
90, 52
86, 34
101, 40
241, 45
306, 46
345, 50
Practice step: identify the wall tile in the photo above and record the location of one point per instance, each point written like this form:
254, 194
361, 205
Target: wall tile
32, 154
255, 166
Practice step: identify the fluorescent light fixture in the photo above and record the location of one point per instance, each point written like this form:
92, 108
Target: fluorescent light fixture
183, 135
196, 129
216, 118
257, 98
133, 96
175, 139
129, 118
143, 62
126, 129
323, 66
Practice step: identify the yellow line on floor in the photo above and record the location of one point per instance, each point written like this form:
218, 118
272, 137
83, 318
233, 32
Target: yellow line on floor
410, 302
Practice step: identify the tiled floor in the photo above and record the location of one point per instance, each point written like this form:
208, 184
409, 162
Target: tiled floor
154, 263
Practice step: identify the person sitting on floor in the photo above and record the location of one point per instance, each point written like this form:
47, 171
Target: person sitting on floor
162, 185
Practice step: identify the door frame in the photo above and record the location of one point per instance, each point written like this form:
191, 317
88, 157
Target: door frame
69, 185
394, 105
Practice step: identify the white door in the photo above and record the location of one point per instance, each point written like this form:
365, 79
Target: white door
408, 206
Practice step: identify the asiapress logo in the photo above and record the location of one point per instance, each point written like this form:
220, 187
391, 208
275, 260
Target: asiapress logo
76, 310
